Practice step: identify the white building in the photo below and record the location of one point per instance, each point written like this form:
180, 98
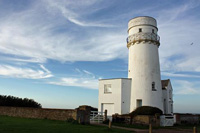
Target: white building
167, 97
143, 87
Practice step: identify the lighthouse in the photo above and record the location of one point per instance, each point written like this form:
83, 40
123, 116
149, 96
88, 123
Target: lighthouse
143, 86
144, 68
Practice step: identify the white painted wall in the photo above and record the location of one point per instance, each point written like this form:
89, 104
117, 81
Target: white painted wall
109, 107
168, 95
120, 93
144, 67
126, 95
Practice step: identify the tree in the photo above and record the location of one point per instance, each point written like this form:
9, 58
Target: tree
18, 102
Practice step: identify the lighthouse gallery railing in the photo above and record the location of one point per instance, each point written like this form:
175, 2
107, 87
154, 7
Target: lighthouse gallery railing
139, 37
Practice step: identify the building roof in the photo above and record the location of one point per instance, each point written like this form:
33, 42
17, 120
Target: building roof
165, 83
115, 78
142, 17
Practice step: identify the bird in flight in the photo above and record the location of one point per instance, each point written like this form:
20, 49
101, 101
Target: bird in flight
191, 44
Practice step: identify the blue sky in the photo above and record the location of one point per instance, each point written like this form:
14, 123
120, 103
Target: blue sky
55, 51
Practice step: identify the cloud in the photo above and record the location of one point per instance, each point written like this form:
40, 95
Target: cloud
85, 79
27, 73
177, 33
183, 87
25, 60
171, 74
176, 11
77, 82
67, 8
65, 31
37, 34
46, 70
75, 21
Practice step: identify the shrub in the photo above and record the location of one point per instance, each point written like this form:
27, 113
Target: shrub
146, 110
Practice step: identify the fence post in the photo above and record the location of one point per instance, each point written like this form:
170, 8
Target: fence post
194, 129
150, 128
98, 118
79, 120
105, 115
110, 124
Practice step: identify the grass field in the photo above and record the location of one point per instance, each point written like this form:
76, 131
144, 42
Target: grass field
24, 125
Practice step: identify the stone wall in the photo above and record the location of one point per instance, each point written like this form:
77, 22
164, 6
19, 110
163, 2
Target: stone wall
53, 114
146, 120
81, 113
139, 119
186, 118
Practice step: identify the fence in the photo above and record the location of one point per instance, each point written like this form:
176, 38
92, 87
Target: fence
98, 117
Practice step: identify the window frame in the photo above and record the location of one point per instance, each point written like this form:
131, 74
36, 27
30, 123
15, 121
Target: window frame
153, 86
106, 89
138, 103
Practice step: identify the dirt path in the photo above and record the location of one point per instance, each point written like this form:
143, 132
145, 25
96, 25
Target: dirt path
172, 131
146, 130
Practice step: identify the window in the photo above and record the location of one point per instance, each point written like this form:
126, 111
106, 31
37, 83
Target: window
140, 29
139, 103
152, 30
153, 86
107, 88
165, 106
171, 108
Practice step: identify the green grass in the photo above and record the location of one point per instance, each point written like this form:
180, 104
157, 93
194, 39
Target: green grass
24, 125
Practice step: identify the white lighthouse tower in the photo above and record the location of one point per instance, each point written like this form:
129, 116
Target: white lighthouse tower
144, 68
143, 87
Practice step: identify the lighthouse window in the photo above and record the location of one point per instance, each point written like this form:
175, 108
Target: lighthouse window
139, 103
140, 29
152, 30
107, 88
153, 86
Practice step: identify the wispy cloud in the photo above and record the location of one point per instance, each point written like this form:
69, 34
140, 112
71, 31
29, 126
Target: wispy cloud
36, 35
82, 23
183, 87
25, 60
67, 8
27, 73
65, 31
172, 74
175, 12
77, 82
177, 33
85, 79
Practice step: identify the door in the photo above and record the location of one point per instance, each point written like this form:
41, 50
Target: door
109, 107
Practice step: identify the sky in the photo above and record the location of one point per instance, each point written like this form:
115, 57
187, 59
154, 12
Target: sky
55, 51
